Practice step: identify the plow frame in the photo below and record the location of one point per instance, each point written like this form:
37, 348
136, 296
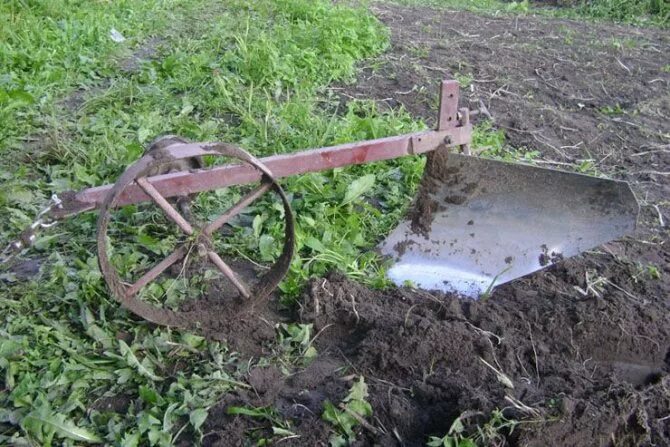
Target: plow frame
453, 130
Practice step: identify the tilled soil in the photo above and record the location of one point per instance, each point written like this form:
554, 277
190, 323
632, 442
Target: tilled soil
578, 354
583, 371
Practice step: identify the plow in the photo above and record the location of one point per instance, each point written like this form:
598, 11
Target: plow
476, 222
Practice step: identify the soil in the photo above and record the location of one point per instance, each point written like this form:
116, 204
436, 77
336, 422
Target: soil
578, 354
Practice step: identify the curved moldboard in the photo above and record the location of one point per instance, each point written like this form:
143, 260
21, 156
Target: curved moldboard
493, 221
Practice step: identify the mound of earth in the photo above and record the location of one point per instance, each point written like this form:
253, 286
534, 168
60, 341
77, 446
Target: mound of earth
573, 370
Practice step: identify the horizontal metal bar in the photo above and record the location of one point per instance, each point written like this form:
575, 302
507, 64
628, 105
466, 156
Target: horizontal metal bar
189, 182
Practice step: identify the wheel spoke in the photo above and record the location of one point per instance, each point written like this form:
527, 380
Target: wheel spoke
230, 274
239, 206
156, 271
165, 205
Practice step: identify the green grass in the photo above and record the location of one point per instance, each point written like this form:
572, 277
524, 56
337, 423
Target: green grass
636, 12
72, 116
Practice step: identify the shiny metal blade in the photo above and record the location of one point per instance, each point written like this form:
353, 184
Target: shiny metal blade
485, 222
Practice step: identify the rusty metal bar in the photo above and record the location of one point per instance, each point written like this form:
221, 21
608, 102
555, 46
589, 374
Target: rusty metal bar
172, 213
230, 274
451, 132
448, 114
184, 183
156, 271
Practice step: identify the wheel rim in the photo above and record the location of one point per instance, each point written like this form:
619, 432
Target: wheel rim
200, 235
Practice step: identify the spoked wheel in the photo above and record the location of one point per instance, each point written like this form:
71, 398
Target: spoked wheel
197, 239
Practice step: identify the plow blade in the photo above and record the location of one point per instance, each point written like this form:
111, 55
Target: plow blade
478, 223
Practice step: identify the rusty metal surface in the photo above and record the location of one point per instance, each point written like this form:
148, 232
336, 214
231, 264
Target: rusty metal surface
447, 116
494, 221
135, 176
189, 182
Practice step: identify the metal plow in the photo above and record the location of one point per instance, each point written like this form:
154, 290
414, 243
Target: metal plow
476, 222
495, 221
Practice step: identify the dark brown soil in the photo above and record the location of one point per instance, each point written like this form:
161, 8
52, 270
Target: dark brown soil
586, 343
585, 370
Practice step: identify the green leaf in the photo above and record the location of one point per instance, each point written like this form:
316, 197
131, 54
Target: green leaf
358, 187
278, 431
198, 417
266, 247
360, 407
150, 395
149, 242
330, 413
81, 175
359, 391
315, 244
8, 348
44, 426
131, 439
17, 97
244, 411
144, 368
338, 441
192, 340
19, 195
143, 134
257, 224
457, 427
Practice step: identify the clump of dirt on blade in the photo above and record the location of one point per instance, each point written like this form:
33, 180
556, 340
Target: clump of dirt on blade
424, 205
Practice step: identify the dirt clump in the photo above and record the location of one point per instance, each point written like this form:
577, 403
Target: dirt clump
424, 205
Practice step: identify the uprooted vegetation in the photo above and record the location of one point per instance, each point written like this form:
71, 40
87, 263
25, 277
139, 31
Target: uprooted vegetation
252, 75
579, 351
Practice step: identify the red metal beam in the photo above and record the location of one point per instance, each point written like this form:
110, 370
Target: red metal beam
182, 183
448, 113
451, 132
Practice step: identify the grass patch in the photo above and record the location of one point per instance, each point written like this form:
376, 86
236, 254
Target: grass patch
74, 113
636, 12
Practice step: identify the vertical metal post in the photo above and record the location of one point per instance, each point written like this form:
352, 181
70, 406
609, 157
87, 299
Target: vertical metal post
448, 115
464, 121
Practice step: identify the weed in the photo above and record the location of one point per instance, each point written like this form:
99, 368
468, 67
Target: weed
520, 7
464, 80
280, 428
491, 433
621, 44
455, 437
487, 293
653, 271
345, 417
295, 343
421, 51
638, 12
654, 12
587, 166
650, 271
614, 110
490, 142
